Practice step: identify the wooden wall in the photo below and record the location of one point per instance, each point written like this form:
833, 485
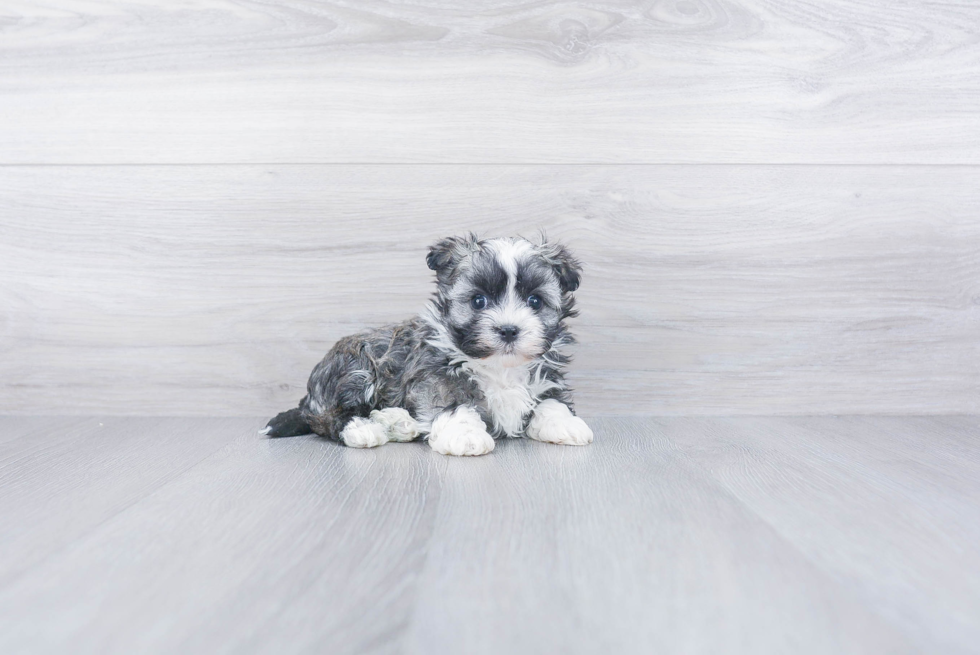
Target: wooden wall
778, 204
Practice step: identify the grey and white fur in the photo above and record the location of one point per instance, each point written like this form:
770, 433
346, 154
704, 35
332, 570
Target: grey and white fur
485, 359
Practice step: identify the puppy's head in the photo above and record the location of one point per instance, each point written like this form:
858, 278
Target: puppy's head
503, 298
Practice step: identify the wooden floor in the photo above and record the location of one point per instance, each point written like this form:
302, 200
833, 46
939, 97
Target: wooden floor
667, 535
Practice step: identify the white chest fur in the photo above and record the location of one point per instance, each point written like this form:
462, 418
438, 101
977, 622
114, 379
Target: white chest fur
511, 392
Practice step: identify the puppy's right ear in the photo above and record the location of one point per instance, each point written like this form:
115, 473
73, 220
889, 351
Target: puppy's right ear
445, 255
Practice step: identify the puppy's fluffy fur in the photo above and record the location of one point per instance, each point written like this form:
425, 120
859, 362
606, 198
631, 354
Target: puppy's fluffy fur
483, 361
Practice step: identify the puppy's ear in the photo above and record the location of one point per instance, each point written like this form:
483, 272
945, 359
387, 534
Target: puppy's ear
445, 255
567, 268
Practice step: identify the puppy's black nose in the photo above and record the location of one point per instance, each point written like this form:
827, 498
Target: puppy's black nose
507, 332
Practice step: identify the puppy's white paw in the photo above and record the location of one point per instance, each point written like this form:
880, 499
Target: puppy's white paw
459, 433
397, 422
554, 422
363, 433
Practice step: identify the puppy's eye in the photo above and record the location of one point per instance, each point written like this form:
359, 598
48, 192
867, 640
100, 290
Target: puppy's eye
478, 301
534, 302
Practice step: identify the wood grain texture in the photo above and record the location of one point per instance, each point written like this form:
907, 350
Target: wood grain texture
284, 543
666, 81
628, 548
865, 486
93, 468
707, 290
668, 535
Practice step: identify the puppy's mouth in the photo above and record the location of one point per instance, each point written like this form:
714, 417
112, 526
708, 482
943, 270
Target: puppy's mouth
509, 356
507, 360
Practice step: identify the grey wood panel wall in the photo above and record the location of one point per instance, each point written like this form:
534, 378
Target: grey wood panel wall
715, 289
776, 202
215, 81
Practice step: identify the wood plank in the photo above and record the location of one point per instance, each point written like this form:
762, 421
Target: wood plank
888, 506
734, 81
621, 547
300, 536
15, 428
636, 544
58, 484
707, 290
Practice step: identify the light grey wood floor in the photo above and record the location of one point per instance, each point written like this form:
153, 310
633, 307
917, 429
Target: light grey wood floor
667, 535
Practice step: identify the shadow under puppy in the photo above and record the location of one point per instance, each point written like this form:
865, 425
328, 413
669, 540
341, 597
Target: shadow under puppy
483, 361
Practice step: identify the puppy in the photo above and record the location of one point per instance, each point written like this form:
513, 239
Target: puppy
483, 361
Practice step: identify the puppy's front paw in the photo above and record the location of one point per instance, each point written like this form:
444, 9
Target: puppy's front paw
554, 422
362, 433
460, 433
397, 422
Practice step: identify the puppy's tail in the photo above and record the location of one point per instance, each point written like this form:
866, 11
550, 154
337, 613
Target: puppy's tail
287, 424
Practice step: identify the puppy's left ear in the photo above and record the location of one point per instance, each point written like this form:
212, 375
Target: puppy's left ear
568, 269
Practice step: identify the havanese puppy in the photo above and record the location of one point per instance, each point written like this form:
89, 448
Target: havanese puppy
484, 360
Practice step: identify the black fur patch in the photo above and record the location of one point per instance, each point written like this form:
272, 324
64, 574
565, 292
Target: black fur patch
488, 277
288, 424
466, 339
531, 276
